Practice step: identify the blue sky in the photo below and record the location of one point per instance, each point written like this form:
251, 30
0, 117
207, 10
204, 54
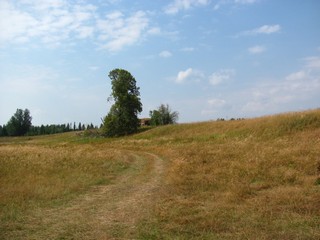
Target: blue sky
207, 59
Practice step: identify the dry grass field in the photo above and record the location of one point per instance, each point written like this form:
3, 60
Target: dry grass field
248, 179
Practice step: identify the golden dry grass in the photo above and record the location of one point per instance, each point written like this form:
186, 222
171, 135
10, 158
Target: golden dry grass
249, 179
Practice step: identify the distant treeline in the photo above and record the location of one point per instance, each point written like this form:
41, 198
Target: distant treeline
48, 129
20, 125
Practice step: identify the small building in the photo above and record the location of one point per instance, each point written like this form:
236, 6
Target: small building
145, 122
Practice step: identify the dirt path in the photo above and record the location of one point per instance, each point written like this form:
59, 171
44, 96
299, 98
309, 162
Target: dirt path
105, 212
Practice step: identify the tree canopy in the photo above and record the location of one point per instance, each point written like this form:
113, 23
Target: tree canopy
19, 123
122, 118
163, 116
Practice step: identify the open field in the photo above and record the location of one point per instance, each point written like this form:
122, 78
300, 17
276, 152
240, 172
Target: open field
248, 179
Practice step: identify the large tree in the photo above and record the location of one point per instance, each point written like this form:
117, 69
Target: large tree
19, 123
123, 116
163, 116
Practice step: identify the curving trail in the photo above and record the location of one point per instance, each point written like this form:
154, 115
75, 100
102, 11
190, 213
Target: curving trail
105, 212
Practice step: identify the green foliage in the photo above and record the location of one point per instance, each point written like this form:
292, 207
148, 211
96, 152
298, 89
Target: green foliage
163, 116
19, 123
40, 130
56, 128
48, 129
3, 131
122, 118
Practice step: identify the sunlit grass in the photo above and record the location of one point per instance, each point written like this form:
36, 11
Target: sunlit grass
253, 179
247, 179
33, 176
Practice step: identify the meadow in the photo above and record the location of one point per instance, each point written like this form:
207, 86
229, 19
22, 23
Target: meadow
244, 179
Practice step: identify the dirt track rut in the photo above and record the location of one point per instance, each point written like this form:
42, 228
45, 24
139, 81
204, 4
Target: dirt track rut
105, 212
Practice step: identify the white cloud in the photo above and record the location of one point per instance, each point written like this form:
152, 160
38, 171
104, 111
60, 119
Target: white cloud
118, 31
289, 92
189, 74
55, 22
45, 5
313, 62
50, 21
178, 5
215, 106
257, 49
219, 4
217, 103
253, 106
154, 31
221, 76
187, 49
265, 29
29, 81
183, 75
297, 76
245, 1
195, 75
165, 54
292, 92
94, 68
14, 23
85, 32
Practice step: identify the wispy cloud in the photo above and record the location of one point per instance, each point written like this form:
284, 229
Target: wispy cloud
183, 75
178, 5
50, 100
48, 21
265, 29
297, 76
245, 1
215, 106
291, 90
117, 31
94, 68
217, 103
221, 76
154, 31
55, 22
189, 74
187, 49
165, 54
257, 49
29, 81
221, 3
196, 75
312, 62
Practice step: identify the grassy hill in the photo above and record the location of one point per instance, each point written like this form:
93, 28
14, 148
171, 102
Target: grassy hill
246, 179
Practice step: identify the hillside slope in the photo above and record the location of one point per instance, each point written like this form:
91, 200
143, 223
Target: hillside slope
249, 179
264, 127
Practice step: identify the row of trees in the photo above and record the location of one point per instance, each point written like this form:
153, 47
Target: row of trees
58, 128
20, 124
122, 118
